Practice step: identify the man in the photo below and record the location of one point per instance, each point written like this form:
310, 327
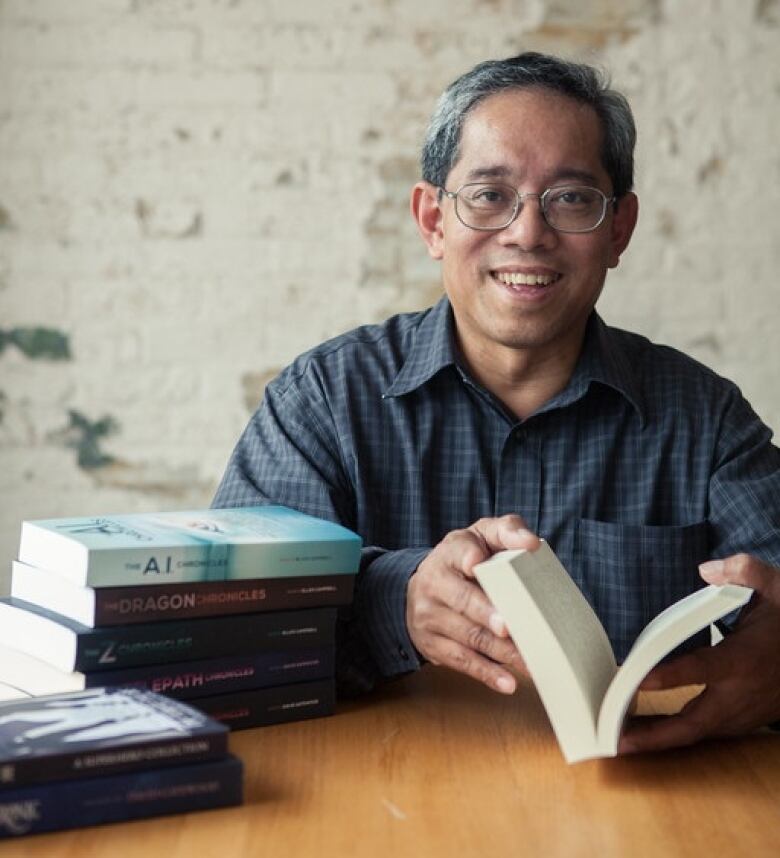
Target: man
510, 409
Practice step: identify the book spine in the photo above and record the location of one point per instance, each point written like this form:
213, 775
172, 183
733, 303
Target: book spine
218, 562
187, 640
222, 675
153, 603
99, 762
136, 795
278, 705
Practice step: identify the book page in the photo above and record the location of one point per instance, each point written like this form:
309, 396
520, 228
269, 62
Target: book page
564, 645
667, 631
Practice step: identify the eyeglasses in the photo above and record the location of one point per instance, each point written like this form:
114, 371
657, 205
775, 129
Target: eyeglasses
568, 208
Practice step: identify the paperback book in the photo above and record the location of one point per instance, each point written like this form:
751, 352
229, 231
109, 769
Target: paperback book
114, 798
101, 731
568, 654
112, 606
197, 545
68, 646
182, 680
261, 707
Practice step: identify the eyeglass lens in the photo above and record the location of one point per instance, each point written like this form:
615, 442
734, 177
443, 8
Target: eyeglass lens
571, 208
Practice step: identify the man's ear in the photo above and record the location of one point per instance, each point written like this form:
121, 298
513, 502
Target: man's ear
623, 223
427, 215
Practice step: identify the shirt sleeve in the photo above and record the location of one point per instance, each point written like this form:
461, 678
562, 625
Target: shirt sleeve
291, 454
744, 491
745, 486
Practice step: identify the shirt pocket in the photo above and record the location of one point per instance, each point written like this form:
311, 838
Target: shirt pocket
630, 573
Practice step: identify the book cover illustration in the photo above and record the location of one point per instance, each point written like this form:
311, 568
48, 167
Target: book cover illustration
99, 731
194, 545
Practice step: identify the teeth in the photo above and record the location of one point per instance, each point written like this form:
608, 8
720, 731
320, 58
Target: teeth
518, 279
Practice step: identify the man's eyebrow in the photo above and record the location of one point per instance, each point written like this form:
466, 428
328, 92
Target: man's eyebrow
568, 174
564, 174
497, 172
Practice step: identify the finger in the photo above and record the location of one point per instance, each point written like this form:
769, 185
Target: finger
463, 549
481, 640
694, 668
454, 655
446, 589
498, 534
694, 721
745, 570
498, 625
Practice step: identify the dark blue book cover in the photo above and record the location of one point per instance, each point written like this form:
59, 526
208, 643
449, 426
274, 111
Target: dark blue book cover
261, 707
222, 675
101, 731
183, 680
69, 645
114, 798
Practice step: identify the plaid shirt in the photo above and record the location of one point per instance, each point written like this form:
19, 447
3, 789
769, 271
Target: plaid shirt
645, 465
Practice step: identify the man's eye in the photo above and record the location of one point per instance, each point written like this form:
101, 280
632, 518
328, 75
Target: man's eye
573, 197
488, 196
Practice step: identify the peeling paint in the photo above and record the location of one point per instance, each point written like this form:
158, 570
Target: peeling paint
710, 170
85, 436
384, 265
667, 223
6, 222
183, 484
768, 12
707, 342
37, 343
176, 221
253, 384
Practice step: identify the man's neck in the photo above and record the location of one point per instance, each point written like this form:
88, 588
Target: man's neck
524, 379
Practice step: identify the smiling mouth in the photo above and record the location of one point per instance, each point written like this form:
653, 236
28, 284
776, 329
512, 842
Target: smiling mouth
517, 278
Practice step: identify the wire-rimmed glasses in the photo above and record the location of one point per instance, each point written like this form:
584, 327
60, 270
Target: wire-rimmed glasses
493, 206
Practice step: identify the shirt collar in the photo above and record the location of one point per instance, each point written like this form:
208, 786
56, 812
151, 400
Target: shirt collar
603, 360
433, 349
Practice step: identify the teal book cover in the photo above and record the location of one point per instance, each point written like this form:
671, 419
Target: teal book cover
190, 545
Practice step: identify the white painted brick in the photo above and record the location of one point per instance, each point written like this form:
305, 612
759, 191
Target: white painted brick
194, 190
48, 11
342, 91
83, 91
211, 12
90, 44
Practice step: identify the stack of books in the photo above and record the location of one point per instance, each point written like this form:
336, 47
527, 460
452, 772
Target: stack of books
233, 610
106, 755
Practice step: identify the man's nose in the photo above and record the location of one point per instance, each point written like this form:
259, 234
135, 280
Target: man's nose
529, 229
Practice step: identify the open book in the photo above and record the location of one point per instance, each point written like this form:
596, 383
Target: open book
567, 651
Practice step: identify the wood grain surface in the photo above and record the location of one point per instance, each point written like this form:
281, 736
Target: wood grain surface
436, 765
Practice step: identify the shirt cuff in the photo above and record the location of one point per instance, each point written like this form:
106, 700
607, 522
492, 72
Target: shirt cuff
380, 609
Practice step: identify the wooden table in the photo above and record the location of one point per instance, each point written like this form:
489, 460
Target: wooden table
436, 765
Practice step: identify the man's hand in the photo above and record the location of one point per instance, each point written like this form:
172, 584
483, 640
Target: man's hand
450, 619
742, 673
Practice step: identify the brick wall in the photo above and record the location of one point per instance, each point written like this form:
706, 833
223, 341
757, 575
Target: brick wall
194, 191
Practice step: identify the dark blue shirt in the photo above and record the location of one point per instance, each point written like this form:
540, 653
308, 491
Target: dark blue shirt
645, 465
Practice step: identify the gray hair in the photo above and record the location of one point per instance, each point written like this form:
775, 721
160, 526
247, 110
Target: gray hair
578, 81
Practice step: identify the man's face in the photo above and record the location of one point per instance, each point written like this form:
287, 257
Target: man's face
530, 139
